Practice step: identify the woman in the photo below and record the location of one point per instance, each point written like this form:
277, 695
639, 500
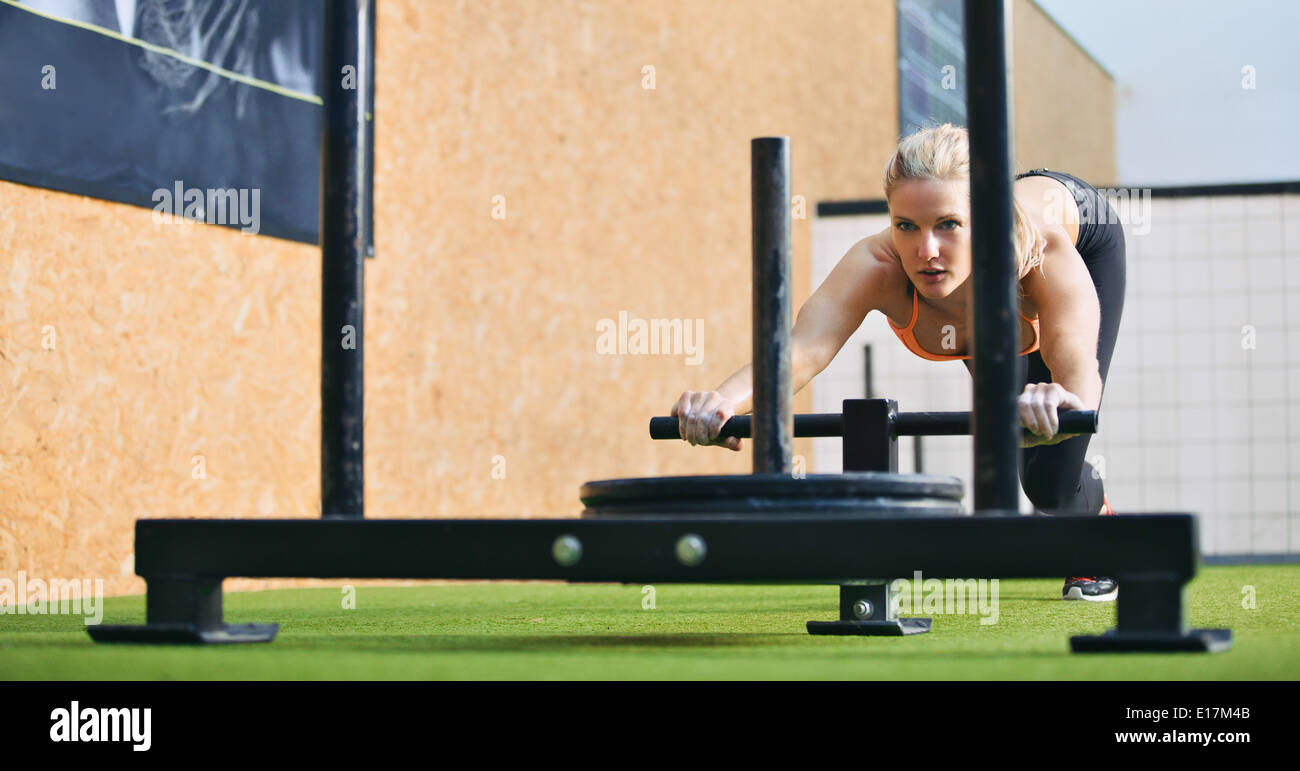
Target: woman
1070, 258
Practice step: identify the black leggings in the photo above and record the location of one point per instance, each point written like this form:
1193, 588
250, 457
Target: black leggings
1055, 477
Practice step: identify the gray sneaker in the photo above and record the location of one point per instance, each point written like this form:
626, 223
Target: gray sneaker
1090, 588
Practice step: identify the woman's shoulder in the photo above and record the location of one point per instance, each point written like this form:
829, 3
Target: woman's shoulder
1059, 248
877, 252
883, 271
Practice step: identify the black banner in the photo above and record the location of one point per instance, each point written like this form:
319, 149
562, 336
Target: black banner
208, 109
979, 722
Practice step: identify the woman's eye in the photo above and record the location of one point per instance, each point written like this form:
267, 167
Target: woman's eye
949, 222
904, 225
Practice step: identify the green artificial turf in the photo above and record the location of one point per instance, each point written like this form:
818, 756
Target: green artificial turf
527, 631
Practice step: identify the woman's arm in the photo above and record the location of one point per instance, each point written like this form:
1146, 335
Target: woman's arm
827, 318
1069, 319
739, 387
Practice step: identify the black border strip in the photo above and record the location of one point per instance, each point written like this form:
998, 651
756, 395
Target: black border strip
879, 206
851, 208
1193, 191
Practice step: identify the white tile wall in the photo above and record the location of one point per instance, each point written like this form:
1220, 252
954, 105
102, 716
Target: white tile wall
1123, 461
1268, 263
1269, 533
1227, 237
1195, 455
1264, 237
1158, 347
1159, 313
1268, 310
1192, 420
1180, 210
1232, 209
1227, 274
1232, 460
1158, 239
1228, 354
1233, 536
1196, 391
1231, 385
1268, 460
1159, 421
1268, 386
1232, 422
1267, 421
1291, 208
1189, 312
1291, 227
1231, 498
1230, 310
1269, 497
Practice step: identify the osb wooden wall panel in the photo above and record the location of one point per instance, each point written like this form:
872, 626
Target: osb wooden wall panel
486, 395
1065, 101
146, 371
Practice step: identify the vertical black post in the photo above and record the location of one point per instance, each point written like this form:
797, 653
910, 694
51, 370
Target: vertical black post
343, 230
368, 189
868, 376
773, 421
996, 424
869, 443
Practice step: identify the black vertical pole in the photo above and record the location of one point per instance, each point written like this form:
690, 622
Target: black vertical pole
343, 230
997, 433
368, 189
868, 376
773, 421
869, 443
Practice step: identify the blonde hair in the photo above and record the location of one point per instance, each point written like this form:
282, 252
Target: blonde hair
942, 154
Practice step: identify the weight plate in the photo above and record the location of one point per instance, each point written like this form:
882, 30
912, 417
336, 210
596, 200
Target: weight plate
854, 494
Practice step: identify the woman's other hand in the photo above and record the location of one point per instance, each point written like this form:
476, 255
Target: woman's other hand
1038, 405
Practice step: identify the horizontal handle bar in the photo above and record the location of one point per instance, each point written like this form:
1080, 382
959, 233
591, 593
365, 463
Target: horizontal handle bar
958, 423
818, 424
905, 424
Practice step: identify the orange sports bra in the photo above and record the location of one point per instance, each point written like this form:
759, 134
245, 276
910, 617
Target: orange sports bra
909, 337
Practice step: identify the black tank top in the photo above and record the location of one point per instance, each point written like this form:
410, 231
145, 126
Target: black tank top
1094, 210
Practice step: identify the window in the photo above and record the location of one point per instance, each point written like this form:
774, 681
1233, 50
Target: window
931, 64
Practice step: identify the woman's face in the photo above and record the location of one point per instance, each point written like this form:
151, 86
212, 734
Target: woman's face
930, 222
